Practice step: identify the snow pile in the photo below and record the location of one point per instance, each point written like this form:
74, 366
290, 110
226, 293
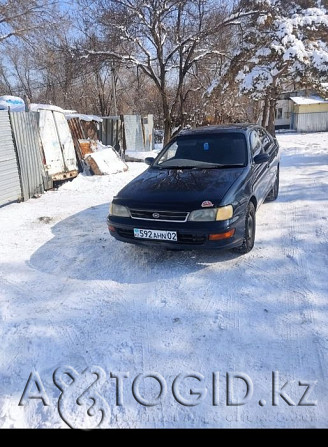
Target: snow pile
104, 160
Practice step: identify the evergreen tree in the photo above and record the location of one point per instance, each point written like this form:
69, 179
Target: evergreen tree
282, 45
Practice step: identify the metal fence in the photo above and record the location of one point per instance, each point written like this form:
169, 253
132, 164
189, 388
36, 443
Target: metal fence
27, 142
37, 148
133, 131
10, 185
127, 132
111, 132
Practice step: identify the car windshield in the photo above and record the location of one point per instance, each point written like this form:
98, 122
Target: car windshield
205, 151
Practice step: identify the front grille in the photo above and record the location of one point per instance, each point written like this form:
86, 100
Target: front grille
161, 216
182, 238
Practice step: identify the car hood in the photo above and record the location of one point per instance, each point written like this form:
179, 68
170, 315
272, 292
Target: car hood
181, 189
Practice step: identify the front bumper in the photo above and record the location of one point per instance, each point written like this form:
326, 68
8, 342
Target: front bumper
190, 235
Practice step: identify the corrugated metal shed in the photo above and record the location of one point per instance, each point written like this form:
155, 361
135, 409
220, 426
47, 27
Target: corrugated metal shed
310, 114
10, 186
27, 140
311, 122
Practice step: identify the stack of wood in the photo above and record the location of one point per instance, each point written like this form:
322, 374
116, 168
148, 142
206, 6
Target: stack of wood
92, 155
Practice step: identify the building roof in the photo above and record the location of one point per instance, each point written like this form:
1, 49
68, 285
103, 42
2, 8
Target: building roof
308, 100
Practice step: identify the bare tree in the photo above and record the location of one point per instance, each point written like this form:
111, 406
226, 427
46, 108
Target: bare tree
165, 39
24, 19
25, 26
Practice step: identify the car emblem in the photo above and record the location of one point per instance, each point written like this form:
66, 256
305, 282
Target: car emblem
155, 215
207, 204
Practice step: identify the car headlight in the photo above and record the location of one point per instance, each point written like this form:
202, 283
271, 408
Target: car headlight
203, 215
118, 210
224, 213
211, 214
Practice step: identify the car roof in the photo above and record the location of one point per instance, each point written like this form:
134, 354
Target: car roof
243, 127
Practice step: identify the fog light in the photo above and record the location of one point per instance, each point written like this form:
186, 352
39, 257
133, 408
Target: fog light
111, 228
219, 236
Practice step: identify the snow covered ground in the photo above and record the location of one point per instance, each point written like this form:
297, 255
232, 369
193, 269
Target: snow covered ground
166, 339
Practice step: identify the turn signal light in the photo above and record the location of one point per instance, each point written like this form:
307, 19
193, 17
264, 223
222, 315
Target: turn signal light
219, 236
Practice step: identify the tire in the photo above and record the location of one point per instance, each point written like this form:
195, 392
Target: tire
273, 193
249, 234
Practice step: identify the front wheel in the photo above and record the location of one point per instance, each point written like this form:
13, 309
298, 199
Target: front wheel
249, 234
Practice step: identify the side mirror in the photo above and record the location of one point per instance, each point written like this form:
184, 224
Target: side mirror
149, 160
261, 158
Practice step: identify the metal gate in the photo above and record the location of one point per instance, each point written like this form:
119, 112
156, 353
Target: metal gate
10, 186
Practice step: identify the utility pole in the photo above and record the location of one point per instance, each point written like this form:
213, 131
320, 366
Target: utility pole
114, 90
118, 129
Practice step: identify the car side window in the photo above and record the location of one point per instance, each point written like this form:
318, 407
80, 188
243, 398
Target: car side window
255, 142
265, 139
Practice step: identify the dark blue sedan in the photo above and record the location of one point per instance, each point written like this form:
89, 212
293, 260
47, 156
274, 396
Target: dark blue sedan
201, 191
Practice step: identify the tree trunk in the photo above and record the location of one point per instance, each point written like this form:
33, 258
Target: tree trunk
272, 116
167, 130
265, 112
167, 115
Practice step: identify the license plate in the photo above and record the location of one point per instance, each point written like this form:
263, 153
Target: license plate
170, 236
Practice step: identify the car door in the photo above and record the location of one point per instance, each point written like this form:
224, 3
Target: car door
270, 147
259, 171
